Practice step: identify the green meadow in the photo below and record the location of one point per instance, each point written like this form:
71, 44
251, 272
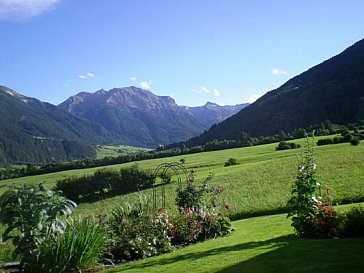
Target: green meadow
118, 150
260, 184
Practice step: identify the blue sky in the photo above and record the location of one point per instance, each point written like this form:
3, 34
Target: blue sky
193, 50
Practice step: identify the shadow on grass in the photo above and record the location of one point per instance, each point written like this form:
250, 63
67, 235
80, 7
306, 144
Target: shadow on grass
189, 257
304, 255
282, 254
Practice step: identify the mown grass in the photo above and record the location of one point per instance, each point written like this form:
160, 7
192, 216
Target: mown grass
261, 244
118, 150
260, 184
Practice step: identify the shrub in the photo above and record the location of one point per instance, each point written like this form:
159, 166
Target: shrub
79, 247
337, 140
325, 141
283, 145
231, 162
354, 142
136, 232
105, 183
191, 226
201, 213
351, 223
324, 221
32, 215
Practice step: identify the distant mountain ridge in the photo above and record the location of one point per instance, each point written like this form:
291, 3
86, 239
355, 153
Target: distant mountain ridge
212, 113
332, 90
142, 118
38, 132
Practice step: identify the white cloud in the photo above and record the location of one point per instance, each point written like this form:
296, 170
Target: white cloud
21, 9
277, 71
253, 98
145, 85
133, 79
216, 92
87, 76
204, 89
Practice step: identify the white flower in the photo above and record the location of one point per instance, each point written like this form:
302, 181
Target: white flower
318, 184
314, 199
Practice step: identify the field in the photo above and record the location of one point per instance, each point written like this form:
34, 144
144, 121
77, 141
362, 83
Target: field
114, 151
260, 184
262, 244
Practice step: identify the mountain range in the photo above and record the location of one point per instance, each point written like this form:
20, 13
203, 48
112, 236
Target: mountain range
332, 90
32, 131
140, 118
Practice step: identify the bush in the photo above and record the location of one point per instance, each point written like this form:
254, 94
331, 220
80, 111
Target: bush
231, 162
354, 142
32, 215
201, 213
105, 183
283, 145
325, 141
135, 232
351, 223
79, 247
325, 222
191, 226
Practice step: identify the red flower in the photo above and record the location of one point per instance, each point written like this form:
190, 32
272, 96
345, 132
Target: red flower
328, 209
174, 227
193, 171
161, 210
227, 206
323, 222
191, 179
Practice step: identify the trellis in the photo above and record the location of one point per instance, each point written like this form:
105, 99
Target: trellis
179, 170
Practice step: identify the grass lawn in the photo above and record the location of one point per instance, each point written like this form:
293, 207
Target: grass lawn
261, 183
261, 244
118, 150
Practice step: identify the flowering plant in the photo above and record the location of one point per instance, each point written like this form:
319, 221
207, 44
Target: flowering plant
303, 202
325, 220
310, 216
201, 212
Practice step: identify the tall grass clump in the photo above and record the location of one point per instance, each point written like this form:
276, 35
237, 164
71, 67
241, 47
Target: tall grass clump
79, 247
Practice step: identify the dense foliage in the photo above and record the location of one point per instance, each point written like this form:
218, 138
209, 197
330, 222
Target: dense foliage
105, 183
32, 215
135, 231
283, 145
43, 239
346, 136
77, 248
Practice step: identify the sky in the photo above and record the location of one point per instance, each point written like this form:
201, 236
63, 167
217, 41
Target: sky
195, 51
